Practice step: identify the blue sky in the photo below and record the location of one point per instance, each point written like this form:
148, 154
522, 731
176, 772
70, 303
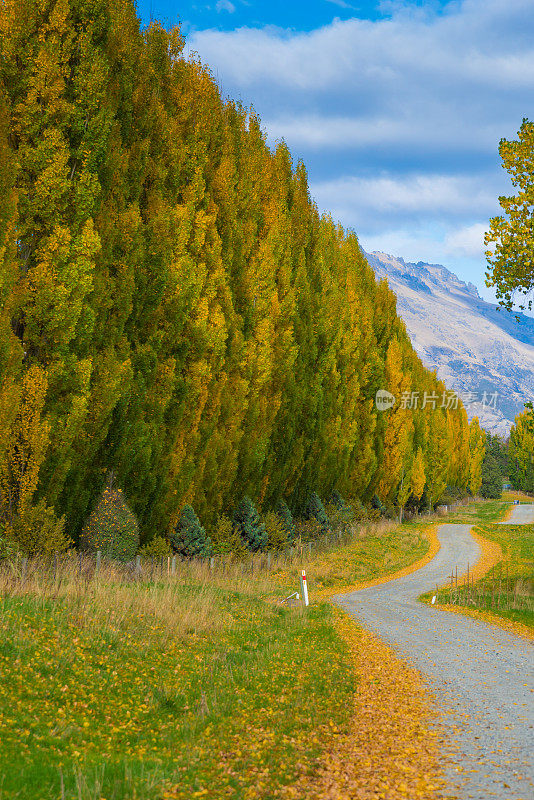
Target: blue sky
395, 107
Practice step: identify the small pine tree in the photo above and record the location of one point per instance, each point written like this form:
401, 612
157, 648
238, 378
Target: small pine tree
111, 527
226, 540
337, 501
157, 547
249, 526
377, 505
284, 512
340, 513
276, 531
316, 510
189, 538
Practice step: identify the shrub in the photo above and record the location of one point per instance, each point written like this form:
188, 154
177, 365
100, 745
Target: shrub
377, 505
189, 538
308, 530
226, 539
340, 513
112, 527
336, 500
359, 510
249, 526
37, 531
277, 538
283, 511
7, 550
316, 510
157, 547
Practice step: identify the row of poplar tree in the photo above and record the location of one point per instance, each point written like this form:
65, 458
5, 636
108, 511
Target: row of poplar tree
174, 307
521, 451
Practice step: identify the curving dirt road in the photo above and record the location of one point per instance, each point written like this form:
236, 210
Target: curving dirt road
521, 515
482, 675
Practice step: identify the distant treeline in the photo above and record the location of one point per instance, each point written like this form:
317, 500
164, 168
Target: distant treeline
174, 307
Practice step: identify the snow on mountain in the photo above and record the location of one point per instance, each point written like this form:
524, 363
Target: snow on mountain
479, 350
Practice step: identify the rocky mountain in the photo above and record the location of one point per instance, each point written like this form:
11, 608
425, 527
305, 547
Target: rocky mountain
481, 351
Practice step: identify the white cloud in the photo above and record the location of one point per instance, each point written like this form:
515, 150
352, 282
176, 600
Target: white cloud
397, 119
341, 4
426, 195
467, 44
414, 245
467, 241
316, 131
225, 5
457, 81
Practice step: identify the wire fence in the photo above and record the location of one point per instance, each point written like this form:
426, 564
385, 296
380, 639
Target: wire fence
503, 588
51, 571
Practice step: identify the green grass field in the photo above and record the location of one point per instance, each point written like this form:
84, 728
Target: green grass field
100, 701
196, 686
479, 512
382, 549
507, 590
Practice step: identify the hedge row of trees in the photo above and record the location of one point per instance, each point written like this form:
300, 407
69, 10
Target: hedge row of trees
521, 451
113, 530
174, 307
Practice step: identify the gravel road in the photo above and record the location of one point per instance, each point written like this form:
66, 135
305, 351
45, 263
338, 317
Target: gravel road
521, 515
481, 675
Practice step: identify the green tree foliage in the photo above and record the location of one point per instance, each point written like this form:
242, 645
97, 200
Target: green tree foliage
248, 525
492, 478
111, 527
226, 539
189, 538
340, 513
37, 531
172, 302
521, 451
498, 448
315, 509
477, 450
277, 538
284, 512
156, 547
511, 260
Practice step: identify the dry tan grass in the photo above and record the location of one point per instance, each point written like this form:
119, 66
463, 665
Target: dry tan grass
186, 602
190, 599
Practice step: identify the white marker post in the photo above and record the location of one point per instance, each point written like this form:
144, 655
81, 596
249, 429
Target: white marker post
304, 588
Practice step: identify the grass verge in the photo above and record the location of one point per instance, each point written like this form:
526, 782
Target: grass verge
376, 553
392, 749
500, 588
509, 495
118, 707
195, 686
